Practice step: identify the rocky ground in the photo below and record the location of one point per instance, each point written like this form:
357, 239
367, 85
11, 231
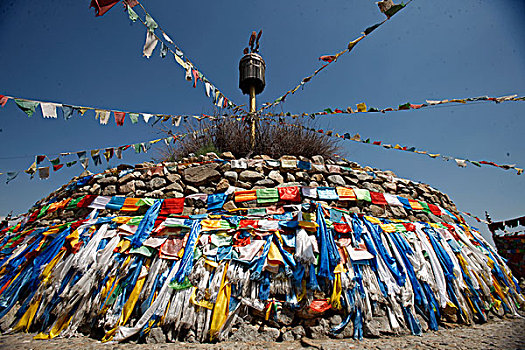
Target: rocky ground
508, 333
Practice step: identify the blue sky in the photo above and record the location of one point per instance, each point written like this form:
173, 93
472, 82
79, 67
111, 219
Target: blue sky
59, 51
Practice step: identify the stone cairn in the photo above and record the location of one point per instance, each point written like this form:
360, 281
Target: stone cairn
365, 299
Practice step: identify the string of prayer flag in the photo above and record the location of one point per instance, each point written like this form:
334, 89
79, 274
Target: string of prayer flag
386, 7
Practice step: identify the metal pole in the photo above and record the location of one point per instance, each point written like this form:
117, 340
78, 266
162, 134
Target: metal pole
252, 112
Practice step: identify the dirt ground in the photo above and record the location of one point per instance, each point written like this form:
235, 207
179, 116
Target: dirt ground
508, 333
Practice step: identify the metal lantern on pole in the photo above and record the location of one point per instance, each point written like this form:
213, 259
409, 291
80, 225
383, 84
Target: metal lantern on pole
252, 69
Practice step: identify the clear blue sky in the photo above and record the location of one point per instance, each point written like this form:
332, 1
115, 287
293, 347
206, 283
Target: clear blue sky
59, 51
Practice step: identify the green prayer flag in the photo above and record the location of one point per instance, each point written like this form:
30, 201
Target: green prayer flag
27, 106
134, 117
267, 195
372, 28
404, 106
43, 211
132, 14
55, 161
150, 23
394, 9
73, 203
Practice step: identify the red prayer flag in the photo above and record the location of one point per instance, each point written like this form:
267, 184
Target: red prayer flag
327, 58
102, 6
378, 198
3, 100
119, 117
86, 201
40, 159
57, 167
289, 193
434, 209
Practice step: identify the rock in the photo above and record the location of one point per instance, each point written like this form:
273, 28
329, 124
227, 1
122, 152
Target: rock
222, 186
140, 184
156, 336
156, 182
268, 334
111, 190
336, 180
191, 190
362, 176
173, 194
298, 332
212, 155
231, 175
390, 187
175, 186
201, 174
376, 210
318, 159
371, 328
288, 336
250, 176
398, 211
373, 187
265, 183
285, 317
109, 180
290, 177
348, 331
127, 187
9, 318
95, 189
317, 177
302, 176
289, 184
246, 333
173, 177
335, 320
227, 155
230, 205
126, 178
276, 176
242, 184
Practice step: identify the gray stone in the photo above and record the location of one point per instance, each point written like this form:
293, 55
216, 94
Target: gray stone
373, 187
265, 183
302, 176
317, 177
156, 336
227, 155
245, 333
201, 174
111, 190
126, 178
127, 187
242, 184
390, 187
298, 332
191, 190
362, 176
250, 176
276, 176
140, 184
285, 317
290, 177
95, 189
108, 180
318, 159
173, 194
231, 175
223, 185
376, 210
289, 184
156, 182
398, 212
173, 177
288, 336
336, 180
268, 334
175, 186
335, 320
230, 205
